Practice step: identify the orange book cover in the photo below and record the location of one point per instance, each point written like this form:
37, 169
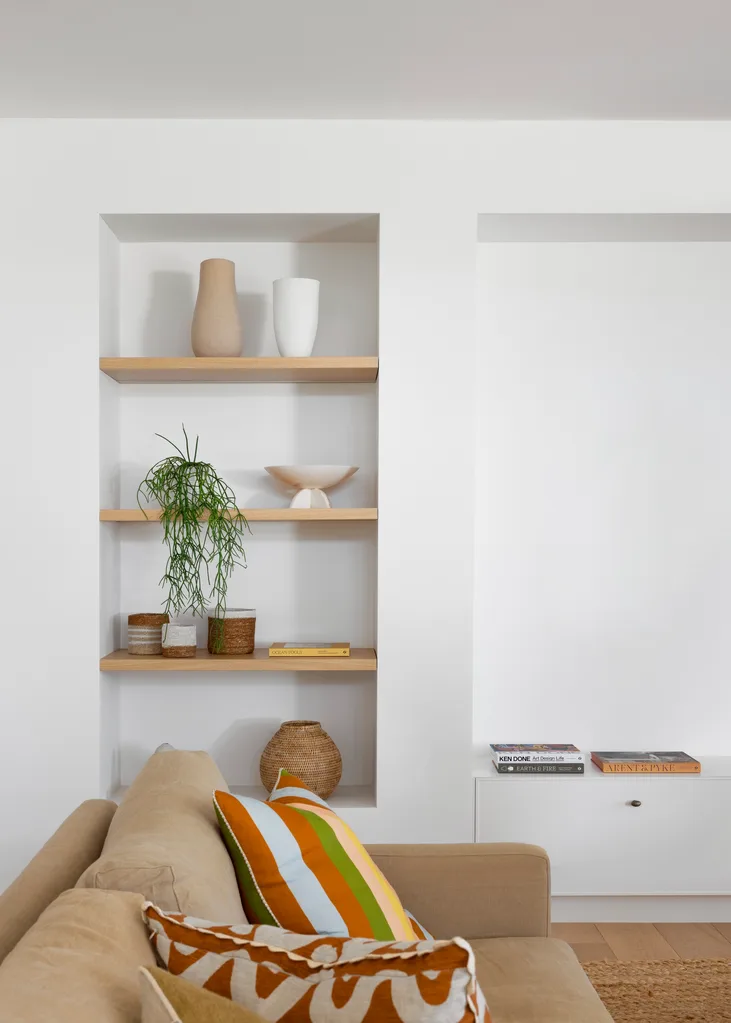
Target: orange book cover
673, 762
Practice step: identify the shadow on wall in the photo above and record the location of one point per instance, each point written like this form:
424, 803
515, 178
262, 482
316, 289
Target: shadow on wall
348, 321
166, 332
254, 312
238, 750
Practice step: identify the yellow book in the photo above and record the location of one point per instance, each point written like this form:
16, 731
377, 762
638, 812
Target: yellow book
309, 650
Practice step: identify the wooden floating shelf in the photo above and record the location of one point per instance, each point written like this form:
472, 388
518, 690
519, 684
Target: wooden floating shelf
327, 370
255, 514
361, 659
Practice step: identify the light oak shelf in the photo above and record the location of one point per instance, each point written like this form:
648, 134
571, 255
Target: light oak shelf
255, 514
361, 659
327, 370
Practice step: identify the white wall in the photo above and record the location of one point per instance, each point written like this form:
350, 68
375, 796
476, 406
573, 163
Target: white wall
603, 548
52, 702
428, 182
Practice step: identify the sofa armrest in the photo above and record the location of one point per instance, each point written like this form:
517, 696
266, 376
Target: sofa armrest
57, 867
498, 890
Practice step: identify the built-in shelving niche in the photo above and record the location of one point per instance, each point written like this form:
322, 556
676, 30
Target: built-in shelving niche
309, 577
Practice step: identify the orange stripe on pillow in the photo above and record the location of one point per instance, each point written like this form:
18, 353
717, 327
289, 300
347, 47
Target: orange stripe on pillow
384, 894
319, 862
268, 878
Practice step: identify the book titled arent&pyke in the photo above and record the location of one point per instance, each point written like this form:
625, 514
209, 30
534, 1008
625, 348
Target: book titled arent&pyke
631, 762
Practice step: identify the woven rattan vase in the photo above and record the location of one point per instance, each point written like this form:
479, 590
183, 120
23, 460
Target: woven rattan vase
306, 750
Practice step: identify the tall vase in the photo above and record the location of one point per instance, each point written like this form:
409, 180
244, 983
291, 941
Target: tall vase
216, 329
306, 750
296, 310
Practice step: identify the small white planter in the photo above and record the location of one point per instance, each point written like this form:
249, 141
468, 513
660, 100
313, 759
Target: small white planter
179, 640
296, 311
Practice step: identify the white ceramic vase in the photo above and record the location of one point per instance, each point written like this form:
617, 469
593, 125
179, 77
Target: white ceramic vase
216, 328
296, 310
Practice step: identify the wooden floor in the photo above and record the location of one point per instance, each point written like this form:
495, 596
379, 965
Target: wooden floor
646, 941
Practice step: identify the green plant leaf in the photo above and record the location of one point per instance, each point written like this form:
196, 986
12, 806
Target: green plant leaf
202, 528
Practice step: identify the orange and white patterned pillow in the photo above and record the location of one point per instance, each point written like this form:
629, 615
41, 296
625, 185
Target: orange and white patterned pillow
301, 978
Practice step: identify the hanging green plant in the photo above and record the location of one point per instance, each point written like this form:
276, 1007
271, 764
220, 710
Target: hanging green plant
202, 528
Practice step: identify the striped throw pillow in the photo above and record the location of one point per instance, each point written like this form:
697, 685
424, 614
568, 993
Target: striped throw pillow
300, 867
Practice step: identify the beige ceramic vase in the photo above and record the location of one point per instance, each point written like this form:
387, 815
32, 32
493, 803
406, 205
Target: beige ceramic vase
216, 329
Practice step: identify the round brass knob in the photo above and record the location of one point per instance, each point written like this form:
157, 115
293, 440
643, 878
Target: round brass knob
636, 802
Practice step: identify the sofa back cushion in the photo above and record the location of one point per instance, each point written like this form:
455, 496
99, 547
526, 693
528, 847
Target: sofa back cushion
79, 962
164, 841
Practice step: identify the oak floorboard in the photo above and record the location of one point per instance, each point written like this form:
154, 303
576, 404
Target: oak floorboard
584, 934
636, 942
696, 941
724, 930
593, 952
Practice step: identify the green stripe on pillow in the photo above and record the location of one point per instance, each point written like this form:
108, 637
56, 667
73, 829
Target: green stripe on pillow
350, 874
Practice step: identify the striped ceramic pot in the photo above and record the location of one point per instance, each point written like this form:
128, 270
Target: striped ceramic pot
144, 633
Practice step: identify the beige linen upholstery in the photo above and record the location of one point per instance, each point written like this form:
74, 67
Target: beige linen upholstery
169, 999
535, 980
471, 891
164, 841
57, 866
79, 963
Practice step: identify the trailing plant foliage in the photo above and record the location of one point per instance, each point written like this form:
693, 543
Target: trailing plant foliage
203, 530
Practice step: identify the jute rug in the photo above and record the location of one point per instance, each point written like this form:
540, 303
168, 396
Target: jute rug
673, 991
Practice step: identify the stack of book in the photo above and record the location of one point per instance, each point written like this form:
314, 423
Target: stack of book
537, 758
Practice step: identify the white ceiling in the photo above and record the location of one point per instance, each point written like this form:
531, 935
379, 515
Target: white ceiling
366, 58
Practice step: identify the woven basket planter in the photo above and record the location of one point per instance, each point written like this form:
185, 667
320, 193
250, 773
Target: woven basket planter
144, 633
234, 633
178, 641
306, 750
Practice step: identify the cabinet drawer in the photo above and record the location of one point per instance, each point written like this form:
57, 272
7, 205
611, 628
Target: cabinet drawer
677, 840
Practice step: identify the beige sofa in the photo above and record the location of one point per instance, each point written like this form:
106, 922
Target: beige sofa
72, 937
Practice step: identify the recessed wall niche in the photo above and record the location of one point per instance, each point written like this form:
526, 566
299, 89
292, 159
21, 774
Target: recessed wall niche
309, 581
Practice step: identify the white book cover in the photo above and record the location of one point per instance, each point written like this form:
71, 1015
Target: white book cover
515, 753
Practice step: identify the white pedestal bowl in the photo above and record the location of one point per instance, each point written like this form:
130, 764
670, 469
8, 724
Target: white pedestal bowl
310, 481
